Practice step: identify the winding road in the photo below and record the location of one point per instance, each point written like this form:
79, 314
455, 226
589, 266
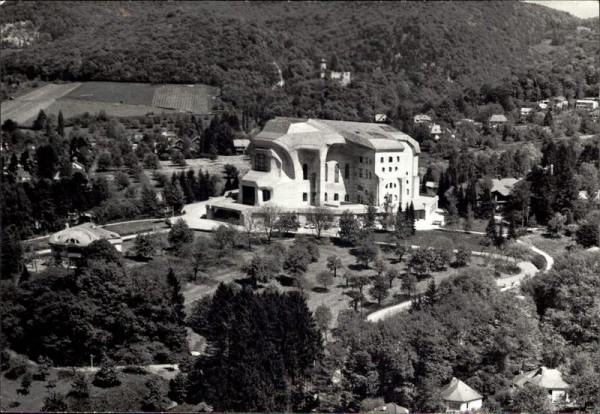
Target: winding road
527, 269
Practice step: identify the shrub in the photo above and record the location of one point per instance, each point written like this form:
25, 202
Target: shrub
539, 261
588, 235
311, 246
135, 370
463, 256
107, 377
17, 367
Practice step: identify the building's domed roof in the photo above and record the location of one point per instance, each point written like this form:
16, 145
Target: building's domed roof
81, 235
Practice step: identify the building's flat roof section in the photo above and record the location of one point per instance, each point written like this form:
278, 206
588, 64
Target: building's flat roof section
315, 133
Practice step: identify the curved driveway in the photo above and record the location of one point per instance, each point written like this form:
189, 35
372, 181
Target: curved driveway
527, 269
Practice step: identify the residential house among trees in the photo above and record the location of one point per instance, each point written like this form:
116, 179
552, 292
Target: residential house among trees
547, 378
497, 120
342, 77
459, 397
586, 104
422, 119
391, 408
501, 189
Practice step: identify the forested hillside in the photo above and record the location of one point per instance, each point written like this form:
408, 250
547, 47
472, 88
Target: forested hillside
404, 56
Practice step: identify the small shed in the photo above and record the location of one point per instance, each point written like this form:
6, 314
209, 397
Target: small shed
240, 145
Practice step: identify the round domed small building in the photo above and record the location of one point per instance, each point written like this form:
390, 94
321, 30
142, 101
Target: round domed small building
71, 241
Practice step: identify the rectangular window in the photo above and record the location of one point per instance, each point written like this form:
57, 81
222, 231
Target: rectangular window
266, 195
347, 171
391, 159
260, 163
360, 159
407, 191
398, 159
325, 196
360, 172
381, 159
337, 173
304, 196
326, 172
336, 197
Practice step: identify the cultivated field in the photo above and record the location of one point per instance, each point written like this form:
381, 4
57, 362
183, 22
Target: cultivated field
114, 98
26, 107
197, 99
114, 92
73, 107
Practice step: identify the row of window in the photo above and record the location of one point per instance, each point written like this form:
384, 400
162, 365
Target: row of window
366, 160
367, 174
336, 197
390, 159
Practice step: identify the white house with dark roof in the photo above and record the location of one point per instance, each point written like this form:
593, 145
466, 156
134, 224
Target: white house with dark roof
459, 397
299, 163
549, 379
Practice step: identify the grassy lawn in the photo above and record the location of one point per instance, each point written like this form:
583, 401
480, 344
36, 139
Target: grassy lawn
554, 247
125, 229
213, 167
335, 296
125, 397
439, 238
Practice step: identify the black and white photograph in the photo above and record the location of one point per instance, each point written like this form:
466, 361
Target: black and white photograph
382, 207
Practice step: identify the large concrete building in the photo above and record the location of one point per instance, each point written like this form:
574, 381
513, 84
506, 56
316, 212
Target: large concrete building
299, 163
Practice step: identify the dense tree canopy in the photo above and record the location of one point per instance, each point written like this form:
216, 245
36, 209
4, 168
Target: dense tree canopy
262, 349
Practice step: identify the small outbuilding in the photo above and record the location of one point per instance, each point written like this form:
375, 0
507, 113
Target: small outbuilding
459, 397
240, 145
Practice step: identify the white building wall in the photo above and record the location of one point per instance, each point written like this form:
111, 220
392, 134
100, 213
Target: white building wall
399, 171
558, 395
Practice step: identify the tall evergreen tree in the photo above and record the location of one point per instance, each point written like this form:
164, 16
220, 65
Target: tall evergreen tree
177, 299
148, 201
490, 231
60, 127
412, 218
174, 197
40, 121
